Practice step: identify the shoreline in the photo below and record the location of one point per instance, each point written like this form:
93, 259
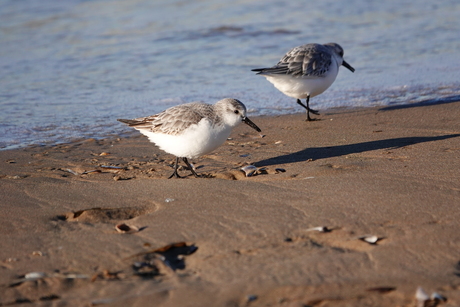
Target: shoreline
391, 174
330, 111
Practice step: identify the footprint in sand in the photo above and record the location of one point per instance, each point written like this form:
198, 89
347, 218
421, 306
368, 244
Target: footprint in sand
104, 215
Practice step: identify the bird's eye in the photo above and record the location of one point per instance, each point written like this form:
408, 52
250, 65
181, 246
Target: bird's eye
236, 111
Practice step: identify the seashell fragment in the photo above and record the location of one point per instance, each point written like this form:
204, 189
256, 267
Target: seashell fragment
11, 260
423, 300
371, 239
249, 170
34, 275
320, 229
438, 297
421, 296
124, 228
91, 171
112, 167
17, 177
68, 170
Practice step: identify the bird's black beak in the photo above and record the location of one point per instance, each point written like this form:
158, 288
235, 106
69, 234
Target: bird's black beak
348, 66
248, 122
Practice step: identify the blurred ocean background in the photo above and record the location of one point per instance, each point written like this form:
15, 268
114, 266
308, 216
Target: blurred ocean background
69, 69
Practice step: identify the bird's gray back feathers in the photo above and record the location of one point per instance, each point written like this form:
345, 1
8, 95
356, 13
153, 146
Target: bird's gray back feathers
305, 60
173, 120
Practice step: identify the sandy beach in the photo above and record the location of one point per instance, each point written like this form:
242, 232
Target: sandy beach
294, 234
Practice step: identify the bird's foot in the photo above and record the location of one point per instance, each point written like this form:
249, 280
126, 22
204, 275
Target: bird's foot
191, 168
175, 175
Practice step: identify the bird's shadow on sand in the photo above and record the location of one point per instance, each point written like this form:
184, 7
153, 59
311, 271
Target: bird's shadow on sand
317, 153
424, 103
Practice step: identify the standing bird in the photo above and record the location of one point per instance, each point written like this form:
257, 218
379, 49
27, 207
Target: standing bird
193, 129
306, 71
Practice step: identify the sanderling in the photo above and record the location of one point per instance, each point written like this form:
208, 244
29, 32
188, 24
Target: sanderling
193, 129
306, 71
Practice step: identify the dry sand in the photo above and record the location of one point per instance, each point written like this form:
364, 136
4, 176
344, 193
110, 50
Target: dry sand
390, 172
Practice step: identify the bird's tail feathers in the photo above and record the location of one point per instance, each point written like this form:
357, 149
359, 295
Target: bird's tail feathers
258, 70
129, 122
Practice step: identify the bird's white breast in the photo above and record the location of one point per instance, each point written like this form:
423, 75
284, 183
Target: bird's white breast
196, 140
303, 86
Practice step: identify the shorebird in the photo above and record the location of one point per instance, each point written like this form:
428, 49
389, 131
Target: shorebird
193, 129
306, 71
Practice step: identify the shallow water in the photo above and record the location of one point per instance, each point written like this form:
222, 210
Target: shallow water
69, 69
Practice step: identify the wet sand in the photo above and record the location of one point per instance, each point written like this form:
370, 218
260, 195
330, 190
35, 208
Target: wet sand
392, 173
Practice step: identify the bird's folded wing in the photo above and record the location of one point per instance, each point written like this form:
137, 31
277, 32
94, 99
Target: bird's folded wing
307, 60
172, 121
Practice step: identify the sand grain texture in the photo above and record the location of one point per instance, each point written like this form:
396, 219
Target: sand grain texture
389, 172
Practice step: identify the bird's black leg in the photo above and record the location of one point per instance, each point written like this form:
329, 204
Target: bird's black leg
175, 174
191, 168
300, 102
307, 107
